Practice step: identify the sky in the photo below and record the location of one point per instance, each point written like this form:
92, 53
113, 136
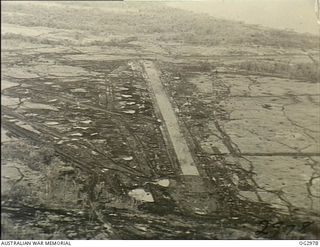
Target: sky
297, 15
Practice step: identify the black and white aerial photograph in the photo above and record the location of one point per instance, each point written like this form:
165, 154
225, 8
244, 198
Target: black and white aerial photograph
160, 120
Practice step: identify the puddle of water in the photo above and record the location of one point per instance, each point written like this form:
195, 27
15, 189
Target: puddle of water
126, 96
38, 106
53, 100
200, 211
83, 128
141, 227
141, 195
76, 134
51, 123
79, 90
31, 115
163, 182
130, 111
12, 120
86, 121
128, 158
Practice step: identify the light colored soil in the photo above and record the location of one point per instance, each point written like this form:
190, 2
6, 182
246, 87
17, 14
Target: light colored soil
5, 137
19, 73
26, 31
178, 141
9, 101
289, 175
7, 84
13, 44
276, 122
282, 127
60, 71
27, 127
30, 105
